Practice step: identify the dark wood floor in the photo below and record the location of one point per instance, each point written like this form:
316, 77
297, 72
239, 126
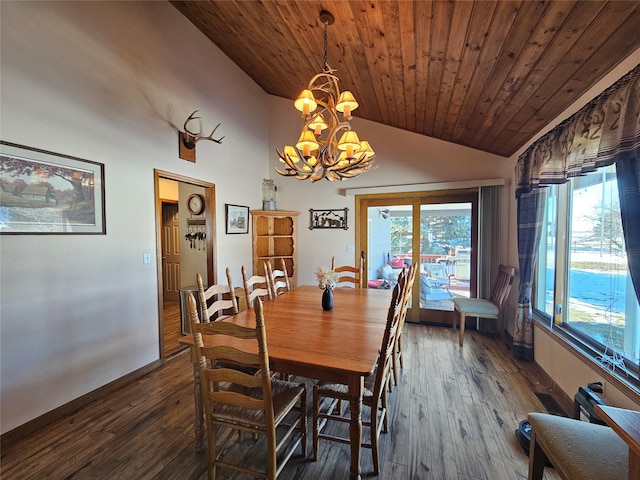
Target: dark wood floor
171, 328
453, 416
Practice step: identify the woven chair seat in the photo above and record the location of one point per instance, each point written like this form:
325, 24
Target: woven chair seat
340, 391
285, 395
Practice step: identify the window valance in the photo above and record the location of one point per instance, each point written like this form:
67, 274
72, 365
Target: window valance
605, 130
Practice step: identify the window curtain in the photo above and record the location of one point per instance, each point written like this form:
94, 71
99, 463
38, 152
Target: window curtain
489, 233
628, 174
530, 218
604, 131
488, 245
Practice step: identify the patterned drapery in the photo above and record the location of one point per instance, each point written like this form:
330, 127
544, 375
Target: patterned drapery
604, 131
628, 174
530, 217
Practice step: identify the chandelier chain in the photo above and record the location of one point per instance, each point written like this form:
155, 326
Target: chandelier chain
326, 62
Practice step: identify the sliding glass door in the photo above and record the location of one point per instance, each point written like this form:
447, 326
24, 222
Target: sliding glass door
434, 230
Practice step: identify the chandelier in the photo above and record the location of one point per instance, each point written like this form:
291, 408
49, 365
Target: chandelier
327, 147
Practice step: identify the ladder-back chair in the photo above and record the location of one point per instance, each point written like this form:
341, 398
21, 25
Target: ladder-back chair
351, 276
254, 287
232, 399
406, 299
278, 279
217, 301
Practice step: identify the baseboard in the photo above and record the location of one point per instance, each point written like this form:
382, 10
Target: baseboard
45, 419
508, 338
566, 402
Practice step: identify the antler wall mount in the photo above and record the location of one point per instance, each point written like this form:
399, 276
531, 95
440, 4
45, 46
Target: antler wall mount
187, 139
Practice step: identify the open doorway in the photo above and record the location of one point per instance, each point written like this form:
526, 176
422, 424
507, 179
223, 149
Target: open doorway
185, 240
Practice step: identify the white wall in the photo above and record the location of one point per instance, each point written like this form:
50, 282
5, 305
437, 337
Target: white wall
104, 81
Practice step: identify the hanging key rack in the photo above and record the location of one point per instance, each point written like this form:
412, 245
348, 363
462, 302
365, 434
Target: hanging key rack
196, 233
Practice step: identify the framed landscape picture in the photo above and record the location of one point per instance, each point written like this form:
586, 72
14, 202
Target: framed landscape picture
43, 192
237, 219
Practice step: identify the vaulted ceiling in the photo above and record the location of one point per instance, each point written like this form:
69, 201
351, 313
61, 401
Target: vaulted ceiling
485, 74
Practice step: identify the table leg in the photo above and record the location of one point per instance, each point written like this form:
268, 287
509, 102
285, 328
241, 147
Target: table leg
356, 388
463, 321
197, 400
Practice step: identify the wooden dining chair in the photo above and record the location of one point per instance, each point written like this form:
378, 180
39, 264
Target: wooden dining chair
406, 299
217, 301
351, 276
278, 279
491, 308
326, 396
256, 286
233, 400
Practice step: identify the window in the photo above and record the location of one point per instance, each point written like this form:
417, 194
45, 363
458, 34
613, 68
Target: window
543, 298
583, 281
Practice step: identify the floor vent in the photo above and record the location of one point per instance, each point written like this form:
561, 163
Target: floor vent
550, 404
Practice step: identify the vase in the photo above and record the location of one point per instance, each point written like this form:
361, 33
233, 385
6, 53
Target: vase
327, 299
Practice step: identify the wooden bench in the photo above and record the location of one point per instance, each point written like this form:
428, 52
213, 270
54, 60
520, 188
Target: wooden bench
577, 450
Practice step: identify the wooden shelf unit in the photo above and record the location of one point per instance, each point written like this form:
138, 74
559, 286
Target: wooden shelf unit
274, 237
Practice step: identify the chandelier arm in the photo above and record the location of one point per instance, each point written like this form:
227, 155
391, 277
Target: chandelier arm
361, 163
291, 169
331, 141
295, 174
315, 172
319, 175
286, 160
333, 80
335, 119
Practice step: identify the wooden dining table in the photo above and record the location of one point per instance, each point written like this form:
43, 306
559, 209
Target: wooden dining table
340, 345
626, 423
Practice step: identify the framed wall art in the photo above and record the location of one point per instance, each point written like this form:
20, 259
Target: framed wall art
237, 218
334, 218
43, 192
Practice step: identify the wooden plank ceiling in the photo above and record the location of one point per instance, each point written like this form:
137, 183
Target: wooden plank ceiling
485, 74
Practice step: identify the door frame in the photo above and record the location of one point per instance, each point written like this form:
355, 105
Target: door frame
210, 242
416, 199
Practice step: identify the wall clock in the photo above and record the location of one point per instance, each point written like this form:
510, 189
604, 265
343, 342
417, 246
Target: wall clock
195, 204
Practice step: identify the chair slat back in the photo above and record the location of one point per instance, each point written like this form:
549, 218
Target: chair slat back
256, 286
278, 279
353, 276
388, 339
216, 299
406, 296
245, 347
502, 285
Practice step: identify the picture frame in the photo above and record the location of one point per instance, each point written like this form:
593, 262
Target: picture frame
236, 219
43, 192
335, 218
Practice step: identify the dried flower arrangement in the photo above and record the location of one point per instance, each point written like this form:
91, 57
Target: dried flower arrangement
326, 278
